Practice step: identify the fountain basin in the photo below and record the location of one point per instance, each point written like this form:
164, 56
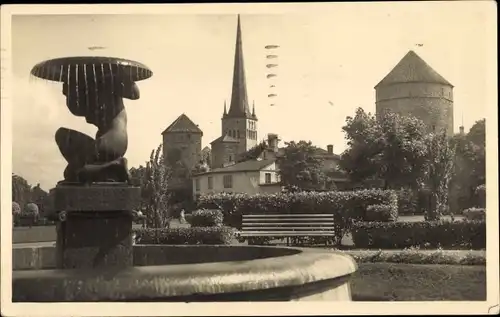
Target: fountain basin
188, 273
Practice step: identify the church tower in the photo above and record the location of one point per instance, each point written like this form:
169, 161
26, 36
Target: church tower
239, 123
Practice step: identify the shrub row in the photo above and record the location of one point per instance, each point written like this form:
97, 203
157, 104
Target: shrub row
206, 218
474, 214
416, 256
425, 234
193, 235
345, 206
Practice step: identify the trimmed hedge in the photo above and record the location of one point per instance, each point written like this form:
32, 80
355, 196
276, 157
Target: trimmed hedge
379, 213
474, 214
206, 218
424, 234
345, 205
416, 256
194, 235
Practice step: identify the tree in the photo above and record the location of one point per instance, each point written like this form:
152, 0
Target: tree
391, 149
24, 193
300, 167
252, 153
469, 167
438, 172
155, 190
21, 190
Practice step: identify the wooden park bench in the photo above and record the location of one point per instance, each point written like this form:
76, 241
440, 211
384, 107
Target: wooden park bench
286, 225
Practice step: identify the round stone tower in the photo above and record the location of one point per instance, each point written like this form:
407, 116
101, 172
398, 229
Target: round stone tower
414, 88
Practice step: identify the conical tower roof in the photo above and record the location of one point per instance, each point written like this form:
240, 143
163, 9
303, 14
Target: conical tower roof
183, 124
239, 100
412, 68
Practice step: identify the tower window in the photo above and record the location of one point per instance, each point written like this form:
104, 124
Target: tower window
238, 131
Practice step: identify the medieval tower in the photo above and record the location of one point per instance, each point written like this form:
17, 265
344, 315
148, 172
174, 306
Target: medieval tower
414, 88
239, 125
182, 142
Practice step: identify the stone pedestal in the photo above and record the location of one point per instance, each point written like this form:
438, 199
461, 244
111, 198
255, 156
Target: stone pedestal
96, 225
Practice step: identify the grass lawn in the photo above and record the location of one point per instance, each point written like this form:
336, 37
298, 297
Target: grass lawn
417, 282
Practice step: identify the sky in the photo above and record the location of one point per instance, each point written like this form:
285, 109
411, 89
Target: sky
329, 61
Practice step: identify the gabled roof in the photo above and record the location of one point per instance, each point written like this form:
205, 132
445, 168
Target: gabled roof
412, 68
225, 138
247, 166
182, 124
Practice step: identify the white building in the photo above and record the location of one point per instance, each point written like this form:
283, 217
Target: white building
251, 177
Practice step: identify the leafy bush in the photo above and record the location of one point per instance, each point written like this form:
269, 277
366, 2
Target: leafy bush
407, 202
225, 202
417, 256
379, 213
206, 218
481, 195
31, 208
194, 235
16, 209
425, 234
474, 214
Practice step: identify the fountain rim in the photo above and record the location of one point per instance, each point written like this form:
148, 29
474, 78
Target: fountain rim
164, 281
141, 69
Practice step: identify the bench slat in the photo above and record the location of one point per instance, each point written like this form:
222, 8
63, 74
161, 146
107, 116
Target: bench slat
287, 215
279, 221
285, 224
288, 220
284, 234
287, 228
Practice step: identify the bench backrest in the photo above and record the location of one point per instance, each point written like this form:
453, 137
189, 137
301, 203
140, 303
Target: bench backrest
287, 222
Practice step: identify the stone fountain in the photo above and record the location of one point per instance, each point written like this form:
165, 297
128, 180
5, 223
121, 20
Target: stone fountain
95, 259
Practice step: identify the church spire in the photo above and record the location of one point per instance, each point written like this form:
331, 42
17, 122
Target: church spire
239, 100
225, 109
253, 110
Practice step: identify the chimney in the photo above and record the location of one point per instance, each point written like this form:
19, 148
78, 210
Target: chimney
329, 147
462, 132
272, 140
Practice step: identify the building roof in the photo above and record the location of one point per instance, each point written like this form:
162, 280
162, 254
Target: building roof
239, 100
182, 124
225, 138
412, 68
247, 166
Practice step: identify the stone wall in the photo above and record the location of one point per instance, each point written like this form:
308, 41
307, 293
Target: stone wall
432, 103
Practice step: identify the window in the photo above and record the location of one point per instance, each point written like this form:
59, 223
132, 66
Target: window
228, 181
197, 184
210, 182
238, 133
268, 178
230, 158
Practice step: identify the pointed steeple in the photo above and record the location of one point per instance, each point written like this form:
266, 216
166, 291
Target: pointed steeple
239, 100
225, 109
253, 111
